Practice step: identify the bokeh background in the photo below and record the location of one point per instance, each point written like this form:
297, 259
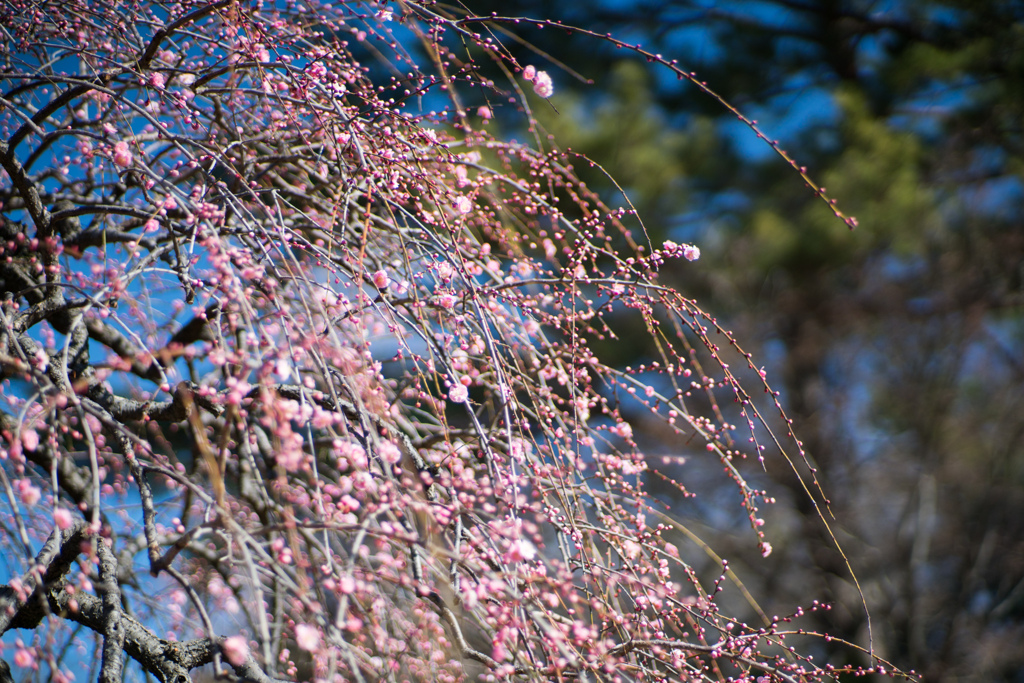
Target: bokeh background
898, 348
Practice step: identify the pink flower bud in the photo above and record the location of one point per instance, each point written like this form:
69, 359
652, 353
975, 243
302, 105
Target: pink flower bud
623, 429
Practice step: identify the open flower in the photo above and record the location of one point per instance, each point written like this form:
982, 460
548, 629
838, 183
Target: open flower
447, 301
542, 85
24, 658
63, 518
463, 204
458, 393
122, 154
307, 637
28, 493
235, 650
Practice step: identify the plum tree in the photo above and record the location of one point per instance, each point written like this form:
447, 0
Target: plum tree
299, 369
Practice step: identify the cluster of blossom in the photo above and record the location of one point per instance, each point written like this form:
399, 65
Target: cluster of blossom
541, 80
687, 251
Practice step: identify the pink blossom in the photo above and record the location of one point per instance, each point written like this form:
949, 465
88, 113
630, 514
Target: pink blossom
381, 279
458, 393
63, 518
766, 548
156, 79
623, 429
484, 113
519, 449
500, 649
463, 204
307, 637
445, 271
29, 494
235, 650
122, 155
688, 251
550, 250
542, 85
390, 453
30, 439
283, 368
353, 455
447, 301
24, 658
520, 550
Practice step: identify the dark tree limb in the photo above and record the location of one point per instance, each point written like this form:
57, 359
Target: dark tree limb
24, 605
107, 335
175, 410
113, 628
26, 188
